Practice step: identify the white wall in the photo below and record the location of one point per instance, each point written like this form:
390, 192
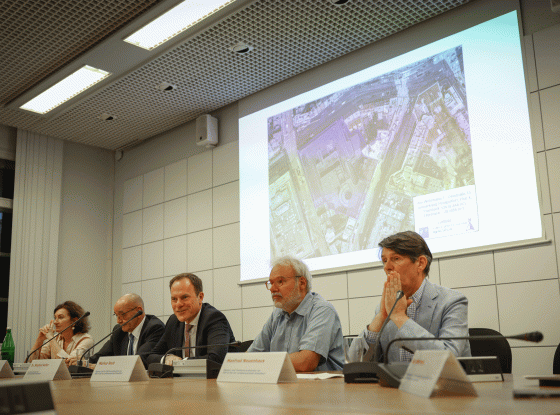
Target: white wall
512, 290
85, 236
157, 153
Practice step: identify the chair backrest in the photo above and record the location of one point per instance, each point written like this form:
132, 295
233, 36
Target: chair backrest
556, 362
242, 348
492, 347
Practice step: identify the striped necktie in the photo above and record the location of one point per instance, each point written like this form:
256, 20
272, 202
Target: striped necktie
130, 344
187, 339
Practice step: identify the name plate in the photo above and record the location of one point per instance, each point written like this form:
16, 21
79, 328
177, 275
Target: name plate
272, 367
191, 368
435, 372
47, 369
119, 369
5, 369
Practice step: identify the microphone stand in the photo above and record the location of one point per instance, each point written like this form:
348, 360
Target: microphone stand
161, 370
57, 334
84, 371
393, 380
366, 371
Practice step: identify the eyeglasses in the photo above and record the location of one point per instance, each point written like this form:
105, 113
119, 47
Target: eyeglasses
278, 282
121, 315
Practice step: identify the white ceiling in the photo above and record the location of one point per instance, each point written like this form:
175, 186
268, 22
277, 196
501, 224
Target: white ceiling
42, 41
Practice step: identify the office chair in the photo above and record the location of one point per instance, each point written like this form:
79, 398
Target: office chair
492, 347
242, 348
556, 362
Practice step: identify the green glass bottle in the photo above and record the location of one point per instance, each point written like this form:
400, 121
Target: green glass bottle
8, 347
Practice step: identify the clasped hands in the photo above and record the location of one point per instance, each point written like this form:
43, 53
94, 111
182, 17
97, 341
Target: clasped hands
73, 361
170, 358
388, 298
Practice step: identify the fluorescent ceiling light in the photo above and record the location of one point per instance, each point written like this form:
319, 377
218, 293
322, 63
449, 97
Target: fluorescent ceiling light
62, 91
174, 22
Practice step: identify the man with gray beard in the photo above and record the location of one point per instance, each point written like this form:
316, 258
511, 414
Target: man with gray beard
303, 323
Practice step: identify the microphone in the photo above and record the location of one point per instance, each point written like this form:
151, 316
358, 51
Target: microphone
393, 380
366, 371
400, 294
57, 334
86, 370
161, 370
534, 336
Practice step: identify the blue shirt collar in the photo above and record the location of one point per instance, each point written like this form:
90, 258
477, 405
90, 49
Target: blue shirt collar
304, 307
417, 296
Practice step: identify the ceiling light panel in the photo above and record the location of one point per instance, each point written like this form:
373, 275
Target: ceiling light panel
74, 84
288, 37
44, 36
174, 22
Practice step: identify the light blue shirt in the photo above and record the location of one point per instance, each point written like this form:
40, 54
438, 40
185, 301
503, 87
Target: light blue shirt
314, 326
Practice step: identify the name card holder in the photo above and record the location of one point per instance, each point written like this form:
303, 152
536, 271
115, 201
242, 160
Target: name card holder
21, 368
263, 367
119, 369
436, 372
196, 368
5, 369
47, 369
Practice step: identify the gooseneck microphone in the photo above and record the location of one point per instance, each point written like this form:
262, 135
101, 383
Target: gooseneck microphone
161, 370
392, 379
366, 371
57, 334
82, 369
400, 294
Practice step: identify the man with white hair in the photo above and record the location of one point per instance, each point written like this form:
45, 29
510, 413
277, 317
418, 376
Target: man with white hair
137, 337
303, 323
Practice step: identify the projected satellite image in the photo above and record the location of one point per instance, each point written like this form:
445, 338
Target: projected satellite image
350, 168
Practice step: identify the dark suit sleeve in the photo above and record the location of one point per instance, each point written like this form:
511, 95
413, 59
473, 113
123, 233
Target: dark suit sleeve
171, 338
214, 329
151, 333
109, 346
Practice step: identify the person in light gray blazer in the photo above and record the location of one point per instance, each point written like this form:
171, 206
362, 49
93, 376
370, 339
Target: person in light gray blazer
425, 310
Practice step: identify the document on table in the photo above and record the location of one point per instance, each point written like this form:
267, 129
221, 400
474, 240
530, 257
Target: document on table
320, 376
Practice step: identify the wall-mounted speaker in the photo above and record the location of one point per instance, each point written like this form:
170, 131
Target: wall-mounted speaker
207, 131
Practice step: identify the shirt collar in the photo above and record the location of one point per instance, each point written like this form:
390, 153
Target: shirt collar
194, 323
417, 296
136, 332
75, 338
305, 306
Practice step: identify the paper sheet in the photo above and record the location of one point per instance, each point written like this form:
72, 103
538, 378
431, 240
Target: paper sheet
320, 376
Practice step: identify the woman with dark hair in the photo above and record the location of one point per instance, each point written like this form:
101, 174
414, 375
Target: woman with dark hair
72, 343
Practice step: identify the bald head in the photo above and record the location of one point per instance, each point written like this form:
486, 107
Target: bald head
126, 307
132, 300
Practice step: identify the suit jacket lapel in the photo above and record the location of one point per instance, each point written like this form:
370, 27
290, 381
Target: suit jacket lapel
181, 335
124, 343
144, 329
200, 327
427, 306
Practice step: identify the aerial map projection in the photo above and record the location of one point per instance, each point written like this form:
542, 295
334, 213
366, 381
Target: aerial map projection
390, 154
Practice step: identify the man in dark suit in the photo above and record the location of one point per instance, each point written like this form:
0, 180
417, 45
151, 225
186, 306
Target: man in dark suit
194, 323
137, 337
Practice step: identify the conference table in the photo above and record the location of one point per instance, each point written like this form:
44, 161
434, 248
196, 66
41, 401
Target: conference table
201, 396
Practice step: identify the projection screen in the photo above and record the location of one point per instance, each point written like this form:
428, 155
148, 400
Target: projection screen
436, 140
